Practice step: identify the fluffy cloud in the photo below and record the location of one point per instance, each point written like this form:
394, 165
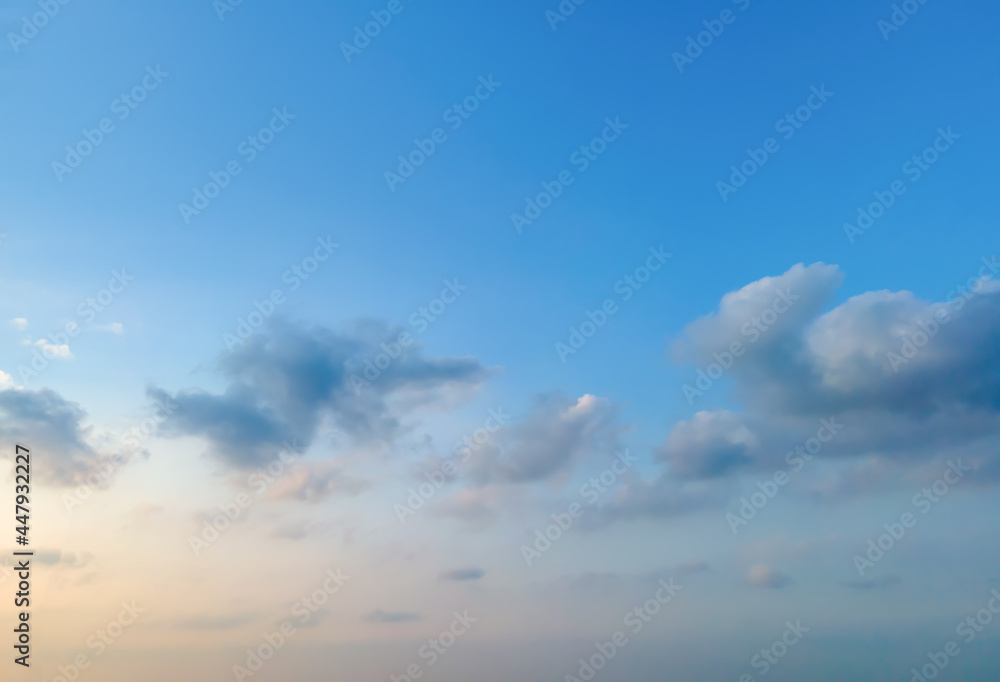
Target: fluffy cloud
907, 378
53, 427
889, 383
548, 444
52, 350
556, 434
871, 352
710, 444
283, 383
795, 299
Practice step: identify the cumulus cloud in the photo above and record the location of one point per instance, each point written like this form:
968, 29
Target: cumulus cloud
908, 378
897, 382
526, 458
843, 360
556, 434
53, 350
282, 384
710, 444
794, 299
49, 424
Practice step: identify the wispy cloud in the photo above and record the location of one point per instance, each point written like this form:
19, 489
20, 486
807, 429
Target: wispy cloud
380, 616
462, 574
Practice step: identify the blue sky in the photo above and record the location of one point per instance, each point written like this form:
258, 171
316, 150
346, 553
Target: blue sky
654, 185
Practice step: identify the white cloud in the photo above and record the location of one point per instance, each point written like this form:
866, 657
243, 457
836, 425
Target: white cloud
19, 323
51, 350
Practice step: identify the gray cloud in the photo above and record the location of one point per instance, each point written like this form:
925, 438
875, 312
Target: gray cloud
463, 574
557, 433
809, 363
55, 557
283, 382
808, 290
663, 496
55, 429
475, 507
205, 622
546, 444
711, 444
380, 616
901, 406
48, 557
694, 566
